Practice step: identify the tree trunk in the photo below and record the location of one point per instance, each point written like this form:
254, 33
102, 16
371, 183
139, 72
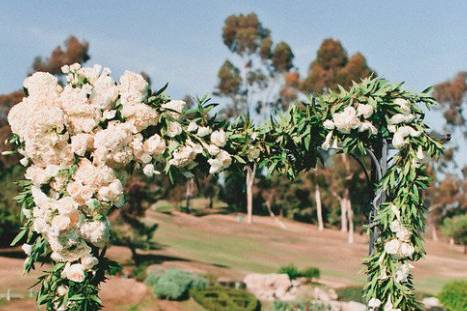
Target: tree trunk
350, 217
189, 193
343, 214
271, 213
319, 211
250, 178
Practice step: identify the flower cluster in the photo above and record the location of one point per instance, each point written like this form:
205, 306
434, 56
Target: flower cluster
77, 140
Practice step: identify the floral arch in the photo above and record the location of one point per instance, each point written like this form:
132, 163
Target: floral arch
82, 140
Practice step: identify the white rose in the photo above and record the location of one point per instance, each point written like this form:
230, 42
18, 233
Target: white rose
364, 110
218, 138
403, 234
81, 143
203, 131
403, 104
174, 105
402, 273
154, 145
401, 118
328, 124
406, 250
192, 126
367, 126
174, 129
74, 272
27, 249
346, 120
133, 88
24, 161
374, 303
89, 261
395, 226
213, 149
62, 290
109, 114
392, 247
148, 170
60, 223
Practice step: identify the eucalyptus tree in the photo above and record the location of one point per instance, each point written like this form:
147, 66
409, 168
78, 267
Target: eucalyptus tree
255, 80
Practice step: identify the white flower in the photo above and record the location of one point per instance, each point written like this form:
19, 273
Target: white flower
402, 273
399, 138
141, 116
213, 149
79, 192
96, 232
392, 247
218, 138
62, 290
367, 126
403, 104
327, 142
154, 145
364, 110
203, 131
112, 192
81, 143
74, 272
328, 124
89, 261
192, 126
133, 88
174, 129
36, 175
148, 170
374, 303
27, 249
42, 87
24, 161
60, 223
389, 307
221, 161
401, 118
406, 250
174, 106
109, 114
183, 156
346, 120
420, 154
403, 234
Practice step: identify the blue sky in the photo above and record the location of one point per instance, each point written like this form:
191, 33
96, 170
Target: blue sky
420, 42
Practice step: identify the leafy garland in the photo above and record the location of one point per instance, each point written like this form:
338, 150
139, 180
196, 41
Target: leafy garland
192, 142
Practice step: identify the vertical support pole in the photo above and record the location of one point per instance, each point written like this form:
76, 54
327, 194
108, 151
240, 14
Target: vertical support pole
379, 169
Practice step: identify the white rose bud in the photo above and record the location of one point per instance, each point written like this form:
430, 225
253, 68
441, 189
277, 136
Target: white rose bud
27, 249
192, 126
218, 138
148, 170
203, 131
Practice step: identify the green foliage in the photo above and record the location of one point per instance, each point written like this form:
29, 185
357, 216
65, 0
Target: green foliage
10, 220
456, 227
299, 306
354, 293
175, 284
218, 298
453, 296
293, 272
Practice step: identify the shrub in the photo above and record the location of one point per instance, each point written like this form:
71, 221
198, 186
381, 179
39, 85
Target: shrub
293, 272
174, 284
299, 306
354, 293
454, 295
311, 273
218, 298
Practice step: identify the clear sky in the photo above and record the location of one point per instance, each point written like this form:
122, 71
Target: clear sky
420, 42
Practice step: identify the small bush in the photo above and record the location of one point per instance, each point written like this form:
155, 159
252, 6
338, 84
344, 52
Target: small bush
174, 284
311, 273
218, 298
454, 295
354, 293
293, 272
299, 306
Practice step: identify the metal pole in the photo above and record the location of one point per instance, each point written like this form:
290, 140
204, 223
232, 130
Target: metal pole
379, 169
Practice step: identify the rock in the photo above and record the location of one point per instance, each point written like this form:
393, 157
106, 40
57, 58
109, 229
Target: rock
431, 303
352, 306
271, 286
323, 294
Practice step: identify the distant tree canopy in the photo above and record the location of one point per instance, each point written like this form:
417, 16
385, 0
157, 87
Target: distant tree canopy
73, 51
257, 82
333, 67
451, 94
